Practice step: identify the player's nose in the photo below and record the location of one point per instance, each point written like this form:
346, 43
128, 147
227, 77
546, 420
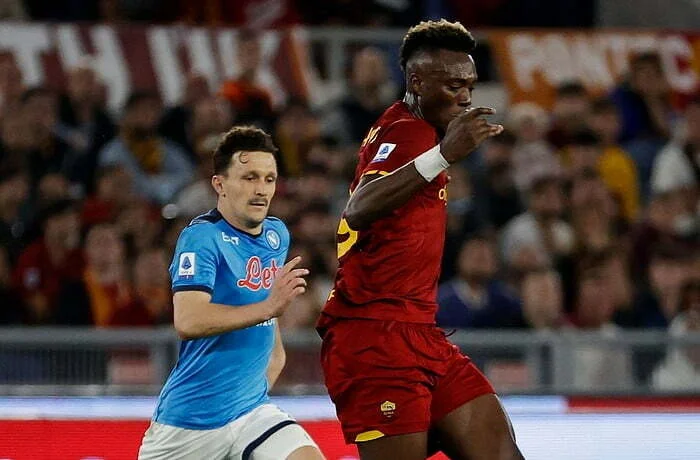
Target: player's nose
464, 99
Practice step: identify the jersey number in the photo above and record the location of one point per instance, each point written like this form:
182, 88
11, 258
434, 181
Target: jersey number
344, 230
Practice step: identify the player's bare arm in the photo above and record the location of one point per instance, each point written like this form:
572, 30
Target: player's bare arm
376, 195
196, 316
277, 360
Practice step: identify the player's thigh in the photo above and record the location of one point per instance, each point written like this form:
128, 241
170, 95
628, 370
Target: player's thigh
165, 442
478, 430
411, 446
291, 443
269, 433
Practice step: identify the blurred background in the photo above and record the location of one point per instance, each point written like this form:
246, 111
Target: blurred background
572, 261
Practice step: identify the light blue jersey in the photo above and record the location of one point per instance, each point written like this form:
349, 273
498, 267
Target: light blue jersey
220, 378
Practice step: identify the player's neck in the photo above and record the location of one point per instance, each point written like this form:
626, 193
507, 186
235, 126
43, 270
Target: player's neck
411, 100
237, 223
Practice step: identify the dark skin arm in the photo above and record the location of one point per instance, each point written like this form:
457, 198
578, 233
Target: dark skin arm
376, 196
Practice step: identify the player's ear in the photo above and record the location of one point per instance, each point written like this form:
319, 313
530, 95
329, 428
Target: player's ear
217, 184
415, 84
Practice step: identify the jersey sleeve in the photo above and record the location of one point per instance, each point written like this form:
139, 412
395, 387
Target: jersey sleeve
402, 142
195, 260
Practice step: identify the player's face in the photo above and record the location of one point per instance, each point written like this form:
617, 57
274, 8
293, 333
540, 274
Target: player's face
445, 88
247, 188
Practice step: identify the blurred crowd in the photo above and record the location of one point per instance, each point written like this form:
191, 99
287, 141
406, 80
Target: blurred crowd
281, 13
582, 216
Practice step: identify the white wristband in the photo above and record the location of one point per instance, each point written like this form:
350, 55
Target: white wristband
431, 163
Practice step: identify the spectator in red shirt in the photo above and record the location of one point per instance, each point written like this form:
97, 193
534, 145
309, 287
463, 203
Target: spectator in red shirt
50, 261
102, 290
251, 102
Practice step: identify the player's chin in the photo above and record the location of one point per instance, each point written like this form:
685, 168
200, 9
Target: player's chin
257, 212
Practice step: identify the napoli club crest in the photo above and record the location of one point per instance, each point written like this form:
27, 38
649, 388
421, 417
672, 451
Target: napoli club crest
273, 239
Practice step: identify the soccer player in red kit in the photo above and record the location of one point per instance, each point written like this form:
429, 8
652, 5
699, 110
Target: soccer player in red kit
400, 388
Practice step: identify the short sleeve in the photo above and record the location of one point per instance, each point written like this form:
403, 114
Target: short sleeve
402, 142
195, 260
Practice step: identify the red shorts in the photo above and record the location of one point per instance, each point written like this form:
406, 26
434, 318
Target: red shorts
388, 378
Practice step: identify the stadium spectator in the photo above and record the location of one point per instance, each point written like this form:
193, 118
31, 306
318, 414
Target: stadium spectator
297, 130
83, 123
541, 226
11, 88
475, 298
113, 192
569, 112
14, 221
141, 226
152, 290
176, 123
369, 90
543, 300
199, 197
681, 368
103, 289
669, 223
597, 366
463, 219
657, 302
677, 167
16, 142
48, 152
497, 198
615, 166
52, 260
593, 214
251, 101
533, 155
158, 167
643, 101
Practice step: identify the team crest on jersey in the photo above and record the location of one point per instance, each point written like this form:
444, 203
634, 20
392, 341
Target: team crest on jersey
383, 152
388, 409
186, 268
273, 239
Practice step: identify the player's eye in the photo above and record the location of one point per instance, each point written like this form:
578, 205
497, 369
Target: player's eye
271, 179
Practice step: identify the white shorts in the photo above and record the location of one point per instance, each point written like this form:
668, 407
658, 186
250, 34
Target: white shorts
266, 433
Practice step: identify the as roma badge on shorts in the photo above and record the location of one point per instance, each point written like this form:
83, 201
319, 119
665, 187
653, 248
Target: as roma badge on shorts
388, 409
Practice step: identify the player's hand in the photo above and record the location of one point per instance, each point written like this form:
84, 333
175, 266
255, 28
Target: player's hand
289, 283
466, 132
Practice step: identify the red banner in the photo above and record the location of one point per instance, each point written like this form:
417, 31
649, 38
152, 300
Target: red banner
533, 62
129, 57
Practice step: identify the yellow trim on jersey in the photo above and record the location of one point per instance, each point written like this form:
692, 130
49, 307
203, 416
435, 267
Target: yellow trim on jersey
369, 436
376, 171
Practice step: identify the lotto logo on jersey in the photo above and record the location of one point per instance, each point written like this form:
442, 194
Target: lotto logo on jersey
383, 152
258, 277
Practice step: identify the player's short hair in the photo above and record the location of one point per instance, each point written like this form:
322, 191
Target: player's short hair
241, 139
435, 35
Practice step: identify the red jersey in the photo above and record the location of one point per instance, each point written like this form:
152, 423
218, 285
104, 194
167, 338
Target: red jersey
390, 270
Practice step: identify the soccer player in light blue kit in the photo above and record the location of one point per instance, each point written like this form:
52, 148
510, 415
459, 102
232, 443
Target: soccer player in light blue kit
230, 282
